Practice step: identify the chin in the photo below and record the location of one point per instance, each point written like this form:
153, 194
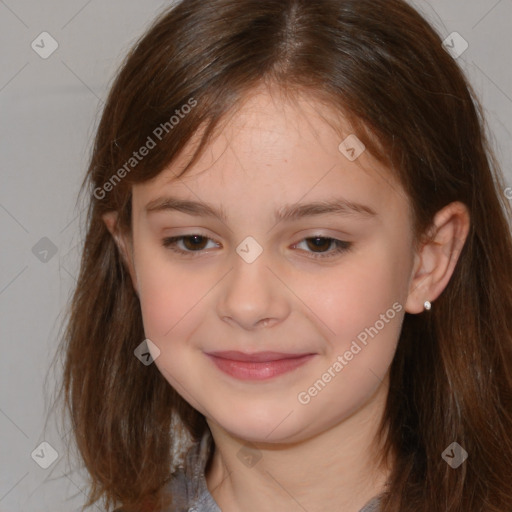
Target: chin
278, 425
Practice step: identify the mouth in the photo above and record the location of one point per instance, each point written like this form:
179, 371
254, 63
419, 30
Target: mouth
258, 365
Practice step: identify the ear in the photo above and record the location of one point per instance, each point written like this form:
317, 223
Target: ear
436, 259
124, 244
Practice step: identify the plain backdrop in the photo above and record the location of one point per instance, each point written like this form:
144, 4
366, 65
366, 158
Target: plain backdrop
49, 110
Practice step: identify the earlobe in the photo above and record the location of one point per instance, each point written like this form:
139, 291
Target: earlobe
438, 256
110, 219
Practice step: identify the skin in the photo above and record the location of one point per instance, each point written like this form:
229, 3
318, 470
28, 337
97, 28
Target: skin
316, 456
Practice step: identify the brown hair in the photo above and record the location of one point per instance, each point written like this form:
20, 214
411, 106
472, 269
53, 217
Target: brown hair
381, 65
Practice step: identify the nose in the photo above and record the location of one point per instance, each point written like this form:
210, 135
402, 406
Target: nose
252, 296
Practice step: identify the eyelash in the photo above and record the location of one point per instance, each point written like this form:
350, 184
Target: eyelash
342, 246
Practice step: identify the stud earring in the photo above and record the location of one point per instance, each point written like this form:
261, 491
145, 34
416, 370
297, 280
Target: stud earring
427, 305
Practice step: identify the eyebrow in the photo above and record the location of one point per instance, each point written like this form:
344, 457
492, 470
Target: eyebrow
288, 213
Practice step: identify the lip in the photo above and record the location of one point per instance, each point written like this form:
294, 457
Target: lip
258, 365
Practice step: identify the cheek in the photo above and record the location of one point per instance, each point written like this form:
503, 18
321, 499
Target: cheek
356, 293
170, 299
172, 306
361, 303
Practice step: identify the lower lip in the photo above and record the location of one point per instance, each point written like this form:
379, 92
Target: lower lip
245, 370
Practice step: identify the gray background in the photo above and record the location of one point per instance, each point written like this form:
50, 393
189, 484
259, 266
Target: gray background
49, 110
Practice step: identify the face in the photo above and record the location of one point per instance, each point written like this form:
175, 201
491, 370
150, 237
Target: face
324, 288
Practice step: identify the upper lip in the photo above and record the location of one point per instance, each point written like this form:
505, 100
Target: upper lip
234, 355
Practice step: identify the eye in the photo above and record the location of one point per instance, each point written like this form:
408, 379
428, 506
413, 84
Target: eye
192, 243
321, 242
196, 243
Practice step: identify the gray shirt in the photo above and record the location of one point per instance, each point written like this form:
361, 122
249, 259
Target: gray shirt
189, 487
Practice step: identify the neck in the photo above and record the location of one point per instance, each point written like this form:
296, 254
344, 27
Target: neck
338, 469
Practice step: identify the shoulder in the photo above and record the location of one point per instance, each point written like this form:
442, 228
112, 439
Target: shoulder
374, 505
187, 485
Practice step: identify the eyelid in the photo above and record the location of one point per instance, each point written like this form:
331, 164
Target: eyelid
171, 241
341, 245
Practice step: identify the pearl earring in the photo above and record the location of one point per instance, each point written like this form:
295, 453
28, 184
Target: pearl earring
427, 305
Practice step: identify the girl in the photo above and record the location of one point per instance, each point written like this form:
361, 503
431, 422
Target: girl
296, 285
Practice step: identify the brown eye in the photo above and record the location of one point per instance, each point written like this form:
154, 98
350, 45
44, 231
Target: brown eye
194, 242
322, 244
318, 246
190, 244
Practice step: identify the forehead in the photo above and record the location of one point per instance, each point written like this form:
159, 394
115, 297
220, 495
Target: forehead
278, 150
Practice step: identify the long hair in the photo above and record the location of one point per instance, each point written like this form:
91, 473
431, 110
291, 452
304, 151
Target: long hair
384, 68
